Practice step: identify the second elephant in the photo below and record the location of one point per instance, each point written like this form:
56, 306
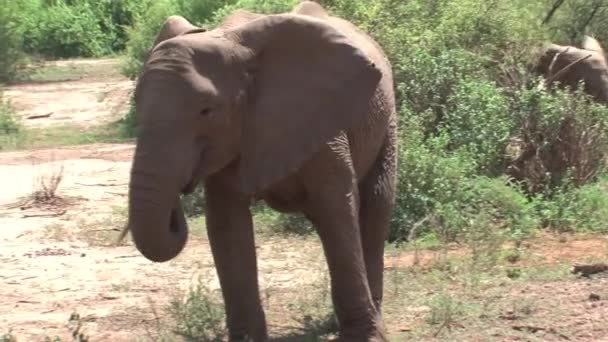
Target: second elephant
570, 65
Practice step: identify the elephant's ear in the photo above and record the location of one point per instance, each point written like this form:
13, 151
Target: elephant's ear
174, 26
310, 83
592, 44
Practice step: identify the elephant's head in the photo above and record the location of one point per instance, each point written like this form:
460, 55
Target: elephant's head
262, 94
570, 65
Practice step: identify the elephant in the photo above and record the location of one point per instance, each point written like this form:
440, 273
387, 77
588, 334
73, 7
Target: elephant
296, 109
570, 65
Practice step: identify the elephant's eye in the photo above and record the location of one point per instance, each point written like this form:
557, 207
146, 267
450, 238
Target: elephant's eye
205, 111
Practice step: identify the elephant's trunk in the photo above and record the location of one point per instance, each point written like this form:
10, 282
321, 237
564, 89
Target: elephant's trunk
156, 218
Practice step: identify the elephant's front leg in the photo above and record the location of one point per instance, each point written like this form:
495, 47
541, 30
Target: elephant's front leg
336, 217
230, 231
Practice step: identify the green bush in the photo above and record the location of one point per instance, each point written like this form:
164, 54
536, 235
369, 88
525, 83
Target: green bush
428, 175
561, 137
8, 123
10, 40
142, 34
479, 120
64, 31
440, 192
502, 206
582, 208
10, 128
206, 14
199, 316
75, 28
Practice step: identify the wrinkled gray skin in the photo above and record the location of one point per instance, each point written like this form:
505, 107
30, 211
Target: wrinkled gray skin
296, 109
592, 70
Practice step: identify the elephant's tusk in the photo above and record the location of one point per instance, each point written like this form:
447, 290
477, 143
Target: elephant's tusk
564, 69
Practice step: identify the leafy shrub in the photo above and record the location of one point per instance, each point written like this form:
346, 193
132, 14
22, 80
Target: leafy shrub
194, 204
502, 206
428, 175
439, 190
10, 40
8, 123
478, 119
65, 31
199, 316
577, 209
427, 81
75, 28
204, 14
142, 34
9, 126
275, 222
561, 137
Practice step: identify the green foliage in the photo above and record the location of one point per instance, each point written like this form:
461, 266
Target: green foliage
8, 122
201, 13
199, 316
577, 209
194, 203
561, 137
494, 202
11, 38
142, 34
478, 119
575, 18
10, 128
427, 175
72, 28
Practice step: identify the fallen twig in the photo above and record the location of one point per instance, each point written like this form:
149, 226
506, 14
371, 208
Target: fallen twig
101, 184
57, 214
116, 193
534, 329
40, 116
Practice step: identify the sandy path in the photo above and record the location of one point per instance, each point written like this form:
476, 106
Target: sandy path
52, 266
92, 100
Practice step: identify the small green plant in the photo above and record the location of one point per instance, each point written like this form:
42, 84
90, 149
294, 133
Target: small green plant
313, 311
8, 123
76, 328
445, 312
8, 337
198, 316
583, 209
45, 191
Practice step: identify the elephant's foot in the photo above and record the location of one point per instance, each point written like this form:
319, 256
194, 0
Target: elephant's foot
248, 338
258, 333
377, 335
380, 336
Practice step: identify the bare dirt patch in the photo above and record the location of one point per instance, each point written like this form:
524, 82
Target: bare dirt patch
87, 101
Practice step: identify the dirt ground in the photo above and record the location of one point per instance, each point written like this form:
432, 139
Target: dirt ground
60, 258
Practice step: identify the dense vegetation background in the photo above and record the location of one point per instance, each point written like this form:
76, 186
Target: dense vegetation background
483, 147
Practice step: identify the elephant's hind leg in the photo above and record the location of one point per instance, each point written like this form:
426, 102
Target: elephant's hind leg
377, 198
334, 200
